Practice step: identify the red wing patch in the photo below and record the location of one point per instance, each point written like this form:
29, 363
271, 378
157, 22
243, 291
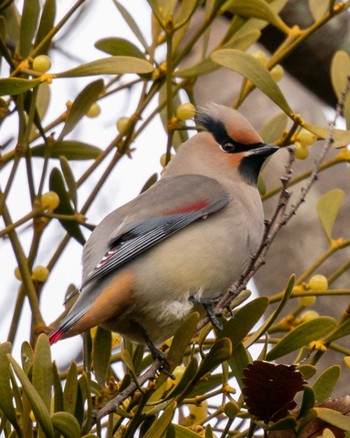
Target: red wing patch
196, 206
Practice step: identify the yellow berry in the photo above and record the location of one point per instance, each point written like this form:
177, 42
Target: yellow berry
50, 200
122, 125
177, 373
277, 72
318, 282
162, 159
300, 151
306, 138
260, 56
309, 315
40, 273
186, 111
18, 274
41, 63
307, 301
93, 111
199, 413
347, 361
116, 339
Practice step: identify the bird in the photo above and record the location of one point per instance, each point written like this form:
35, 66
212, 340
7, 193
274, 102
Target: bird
183, 241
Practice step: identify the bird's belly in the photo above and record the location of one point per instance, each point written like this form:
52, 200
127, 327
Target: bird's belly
167, 275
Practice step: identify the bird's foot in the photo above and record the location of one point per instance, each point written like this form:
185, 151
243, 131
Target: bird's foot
208, 304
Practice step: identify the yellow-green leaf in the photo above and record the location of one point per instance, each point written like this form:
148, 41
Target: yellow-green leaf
29, 22
119, 47
340, 71
70, 392
339, 332
113, 65
183, 432
334, 418
42, 376
327, 208
237, 328
219, 353
273, 129
238, 362
47, 21
57, 185
301, 336
341, 137
26, 356
6, 401
307, 370
101, 354
257, 9
318, 8
160, 425
40, 411
81, 105
58, 392
69, 178
66, 424
247, 66
324, 385
308, 401
136, 31
14, 86
71, 149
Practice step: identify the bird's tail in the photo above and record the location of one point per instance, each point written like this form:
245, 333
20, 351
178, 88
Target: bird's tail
62, 330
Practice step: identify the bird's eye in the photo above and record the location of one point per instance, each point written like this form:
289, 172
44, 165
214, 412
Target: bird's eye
228, 146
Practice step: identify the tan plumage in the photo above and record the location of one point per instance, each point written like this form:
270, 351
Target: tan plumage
210, 198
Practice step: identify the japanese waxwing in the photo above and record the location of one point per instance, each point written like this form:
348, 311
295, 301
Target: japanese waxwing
184, 240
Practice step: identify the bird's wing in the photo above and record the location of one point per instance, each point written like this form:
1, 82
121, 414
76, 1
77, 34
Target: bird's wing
206, 197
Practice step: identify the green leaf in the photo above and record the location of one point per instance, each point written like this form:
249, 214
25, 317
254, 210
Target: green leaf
6, 401
220, 352
119, 47
66, 424
341, 137
258, 9
58, 392
272, 318
308, 401
81, 105
237, 328
181, 340
149, 183
185, 380
273, 129
101, 354
113, 65
334, 418
183, 432
247, 66
318, 8
131, 23
71, 149
47, 21
57, 185
185, 12
339, 332
238, 362
287, 423
70, 392
26, 356
86, 390
159, 426
42, 376
29, 22
69, 178
14, 86
340, 70
324, 385
307, 370
328, 206
40, 411
301, 336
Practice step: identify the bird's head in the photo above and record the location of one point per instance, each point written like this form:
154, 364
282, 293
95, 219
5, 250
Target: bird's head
238, 140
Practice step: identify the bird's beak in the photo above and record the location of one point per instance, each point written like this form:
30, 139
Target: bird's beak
263, 149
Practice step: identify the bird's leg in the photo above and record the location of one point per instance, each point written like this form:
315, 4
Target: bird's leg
155, 352
208, 304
